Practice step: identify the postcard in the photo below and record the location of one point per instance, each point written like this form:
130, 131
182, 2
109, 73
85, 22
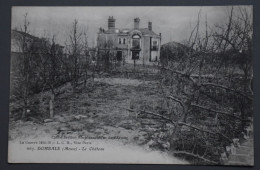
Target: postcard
132, 85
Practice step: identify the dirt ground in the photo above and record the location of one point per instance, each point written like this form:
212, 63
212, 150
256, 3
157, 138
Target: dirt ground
101, 109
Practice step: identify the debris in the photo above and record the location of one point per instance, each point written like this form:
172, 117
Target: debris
51, 123
150, 143
60, 119
78, 117
166, 145
60, 129
141, 140
224, 156
47, 120
76, 126
236, 142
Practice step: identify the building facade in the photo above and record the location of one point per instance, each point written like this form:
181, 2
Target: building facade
131, 45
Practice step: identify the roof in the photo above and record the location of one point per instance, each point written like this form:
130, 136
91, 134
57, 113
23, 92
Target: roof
16, 32
146, 31
125, 31
37, 41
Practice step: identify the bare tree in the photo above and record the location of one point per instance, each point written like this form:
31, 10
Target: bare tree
54, 71
87, 58
105, 54
75, 49
24, 75
234, 39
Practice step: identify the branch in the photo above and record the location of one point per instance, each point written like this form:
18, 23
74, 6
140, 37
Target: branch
197, 128
175, 71
179, 123
150, 113
196, 156
157, 115
130, 110
177, 100
216, 111
180, 73
226, 88
206, 131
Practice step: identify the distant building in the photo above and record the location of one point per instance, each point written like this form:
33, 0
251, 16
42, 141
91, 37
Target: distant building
24, 44
129, 44
30, 43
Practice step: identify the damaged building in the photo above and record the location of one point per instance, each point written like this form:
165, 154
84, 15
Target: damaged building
129, 45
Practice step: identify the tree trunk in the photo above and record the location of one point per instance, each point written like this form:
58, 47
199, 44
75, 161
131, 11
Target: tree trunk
24, 110
85, 80
25, 101
134, 65
177, 129
175, 137
51, 104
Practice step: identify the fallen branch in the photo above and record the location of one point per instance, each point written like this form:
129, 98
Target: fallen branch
177, 100
197, 128
179, 123
157, 115
216, 111
206, 131
195, 155
151, 113
175, 71
188, 76
227, 88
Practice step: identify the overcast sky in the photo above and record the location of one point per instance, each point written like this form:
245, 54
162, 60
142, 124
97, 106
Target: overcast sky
174, 23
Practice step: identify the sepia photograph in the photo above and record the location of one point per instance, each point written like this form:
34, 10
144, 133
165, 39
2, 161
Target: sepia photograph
132, 85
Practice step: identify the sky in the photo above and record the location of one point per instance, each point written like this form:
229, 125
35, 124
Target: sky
174, 23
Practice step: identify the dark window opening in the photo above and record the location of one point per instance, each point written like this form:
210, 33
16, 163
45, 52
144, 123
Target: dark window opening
155, 45
135, 55
119, 56
119, 41
124, 41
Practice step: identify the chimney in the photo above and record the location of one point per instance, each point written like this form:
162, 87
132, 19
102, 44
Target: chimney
111, 22
150, 26
136, 23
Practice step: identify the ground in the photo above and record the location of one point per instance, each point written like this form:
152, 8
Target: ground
107, 107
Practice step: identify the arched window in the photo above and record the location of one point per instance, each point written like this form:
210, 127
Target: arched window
136, 41
136, 36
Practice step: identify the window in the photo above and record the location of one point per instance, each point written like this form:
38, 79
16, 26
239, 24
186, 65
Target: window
119, 55
136, 36
121, 40
136, 41
135, 55
136, 44
155, 45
